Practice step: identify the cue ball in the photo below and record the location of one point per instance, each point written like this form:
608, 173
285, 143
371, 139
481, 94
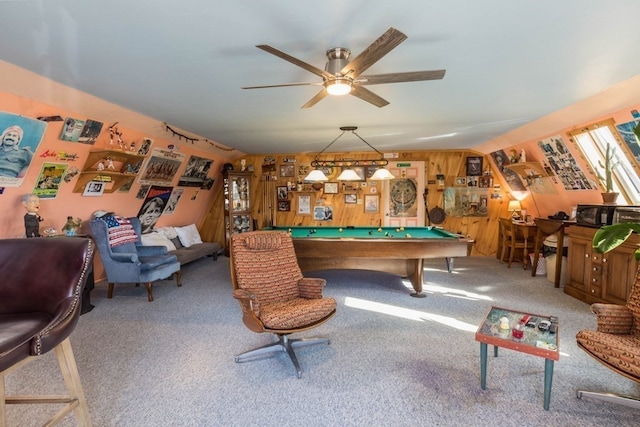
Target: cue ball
340, 230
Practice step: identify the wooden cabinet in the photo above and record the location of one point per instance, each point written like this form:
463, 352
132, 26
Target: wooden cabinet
237, 204
594, 277
112, 166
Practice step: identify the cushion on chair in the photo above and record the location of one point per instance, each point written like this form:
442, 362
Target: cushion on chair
152, 262
295, 313
263, 242
622, 352
18, 328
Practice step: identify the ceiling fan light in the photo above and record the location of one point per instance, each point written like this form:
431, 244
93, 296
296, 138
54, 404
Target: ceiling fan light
338, 87
316, 175
382, 174
349, 175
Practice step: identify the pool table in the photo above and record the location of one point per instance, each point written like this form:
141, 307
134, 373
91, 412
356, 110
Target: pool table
394, 250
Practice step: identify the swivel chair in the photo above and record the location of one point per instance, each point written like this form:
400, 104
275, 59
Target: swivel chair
42, 282
131, 262
616, 343
273, 294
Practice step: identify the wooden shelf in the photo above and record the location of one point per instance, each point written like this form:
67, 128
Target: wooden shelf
123, 161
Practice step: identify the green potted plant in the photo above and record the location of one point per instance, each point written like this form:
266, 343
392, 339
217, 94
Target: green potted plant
609, 196
610, 237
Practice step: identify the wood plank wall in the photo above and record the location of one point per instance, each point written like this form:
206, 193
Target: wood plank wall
451, 164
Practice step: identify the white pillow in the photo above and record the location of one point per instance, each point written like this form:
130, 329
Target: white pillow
188, 235
170, 232
157, 239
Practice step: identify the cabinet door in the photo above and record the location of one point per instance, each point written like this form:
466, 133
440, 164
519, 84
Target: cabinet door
620, 268
579, 263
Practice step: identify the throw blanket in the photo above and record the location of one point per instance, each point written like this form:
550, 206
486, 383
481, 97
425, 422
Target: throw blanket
120, 231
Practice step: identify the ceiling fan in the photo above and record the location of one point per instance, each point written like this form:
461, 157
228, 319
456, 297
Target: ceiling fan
341, 76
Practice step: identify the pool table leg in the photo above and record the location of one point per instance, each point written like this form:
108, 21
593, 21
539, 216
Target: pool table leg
417, 277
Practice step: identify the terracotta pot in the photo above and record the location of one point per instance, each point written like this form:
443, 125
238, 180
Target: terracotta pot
609, 197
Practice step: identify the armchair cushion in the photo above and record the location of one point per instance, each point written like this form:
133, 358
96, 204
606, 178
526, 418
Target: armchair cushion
620, 352
612, 318
292, 313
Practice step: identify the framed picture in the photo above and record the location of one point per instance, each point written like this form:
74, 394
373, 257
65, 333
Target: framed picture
461, 181
283, 192
284, 205
474, 166
371, 203
322, 213
331, 188
94, 189
304, 204
287, 170
350, 198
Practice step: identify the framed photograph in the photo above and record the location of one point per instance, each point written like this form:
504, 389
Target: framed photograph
330, 188
322, 213
474, 166
304, 204
284, 205
371, 203
485, 181
94, 189
351, 198
283, 192
287, 170
461, 181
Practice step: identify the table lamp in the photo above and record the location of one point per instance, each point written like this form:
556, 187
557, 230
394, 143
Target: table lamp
514, 206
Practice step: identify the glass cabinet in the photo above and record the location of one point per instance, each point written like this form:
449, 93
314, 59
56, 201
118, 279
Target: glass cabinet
237, 204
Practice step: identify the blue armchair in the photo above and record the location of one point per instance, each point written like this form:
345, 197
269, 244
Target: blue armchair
131, 262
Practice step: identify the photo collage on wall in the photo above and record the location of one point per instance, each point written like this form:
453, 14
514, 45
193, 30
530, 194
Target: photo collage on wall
513, 180
564, 164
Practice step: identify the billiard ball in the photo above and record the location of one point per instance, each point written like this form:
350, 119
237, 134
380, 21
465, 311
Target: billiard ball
340, 230
380, 230
408, 236
397, 230
370, 233
401, 228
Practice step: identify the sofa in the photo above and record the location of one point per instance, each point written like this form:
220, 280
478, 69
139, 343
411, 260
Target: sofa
184, 242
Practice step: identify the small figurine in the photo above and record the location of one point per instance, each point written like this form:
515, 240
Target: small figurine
132, 147
513, 156
110, 165
32, 218
523, 156
101, 165
71, 226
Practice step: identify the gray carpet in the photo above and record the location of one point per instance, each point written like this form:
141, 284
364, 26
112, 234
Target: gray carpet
393, 359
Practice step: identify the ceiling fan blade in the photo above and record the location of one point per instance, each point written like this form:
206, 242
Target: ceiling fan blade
313, 101
280, 54
411, 76
283, 85
374, 52
370, 97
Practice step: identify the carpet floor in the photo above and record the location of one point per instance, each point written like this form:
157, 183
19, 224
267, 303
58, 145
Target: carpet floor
393, 359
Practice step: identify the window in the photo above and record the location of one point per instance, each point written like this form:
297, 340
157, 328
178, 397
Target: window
593, 141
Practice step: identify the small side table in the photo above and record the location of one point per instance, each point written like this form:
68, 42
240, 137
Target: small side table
536, 343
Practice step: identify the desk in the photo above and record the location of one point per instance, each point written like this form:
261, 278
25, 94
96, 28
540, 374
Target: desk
393, 250
536, 343
547, 227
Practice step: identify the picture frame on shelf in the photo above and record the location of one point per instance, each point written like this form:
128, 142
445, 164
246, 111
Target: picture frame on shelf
94, 189
330, 188
371, 203
474, 165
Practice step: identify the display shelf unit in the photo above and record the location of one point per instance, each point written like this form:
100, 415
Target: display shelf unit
237, 204
125, 166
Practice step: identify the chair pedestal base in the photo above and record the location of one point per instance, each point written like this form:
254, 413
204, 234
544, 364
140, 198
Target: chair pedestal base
620, 399
283, 344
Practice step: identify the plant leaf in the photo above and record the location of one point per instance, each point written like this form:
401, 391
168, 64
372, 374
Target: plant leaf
611, 236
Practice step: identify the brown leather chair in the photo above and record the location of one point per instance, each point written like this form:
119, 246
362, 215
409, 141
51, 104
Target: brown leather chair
41, 282
616, 343
274, 295
511, 242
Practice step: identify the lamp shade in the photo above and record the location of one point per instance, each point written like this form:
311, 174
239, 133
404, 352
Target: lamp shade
316, 175
382, 174
514, 206
349, 175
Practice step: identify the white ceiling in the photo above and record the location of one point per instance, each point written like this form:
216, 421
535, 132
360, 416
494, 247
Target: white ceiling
508, 62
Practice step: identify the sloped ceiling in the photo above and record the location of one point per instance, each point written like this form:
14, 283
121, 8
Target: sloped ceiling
509, 63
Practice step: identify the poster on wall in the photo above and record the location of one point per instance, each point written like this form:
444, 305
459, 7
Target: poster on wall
459, 201
629, 137
154, 204
173, 201
90, 132
161, 167
49, 180
564, 164
501, 160
20, 138
71, 129
195, 172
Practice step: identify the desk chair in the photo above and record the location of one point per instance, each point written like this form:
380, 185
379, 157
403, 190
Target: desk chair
273, 294
616, 343
547, 227
41, 286
511, 242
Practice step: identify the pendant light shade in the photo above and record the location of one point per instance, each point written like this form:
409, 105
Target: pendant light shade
349, 175
381, 175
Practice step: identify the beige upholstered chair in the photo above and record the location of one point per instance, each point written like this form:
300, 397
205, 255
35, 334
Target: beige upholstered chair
511, 242
41, 281
274, 295
616, 342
